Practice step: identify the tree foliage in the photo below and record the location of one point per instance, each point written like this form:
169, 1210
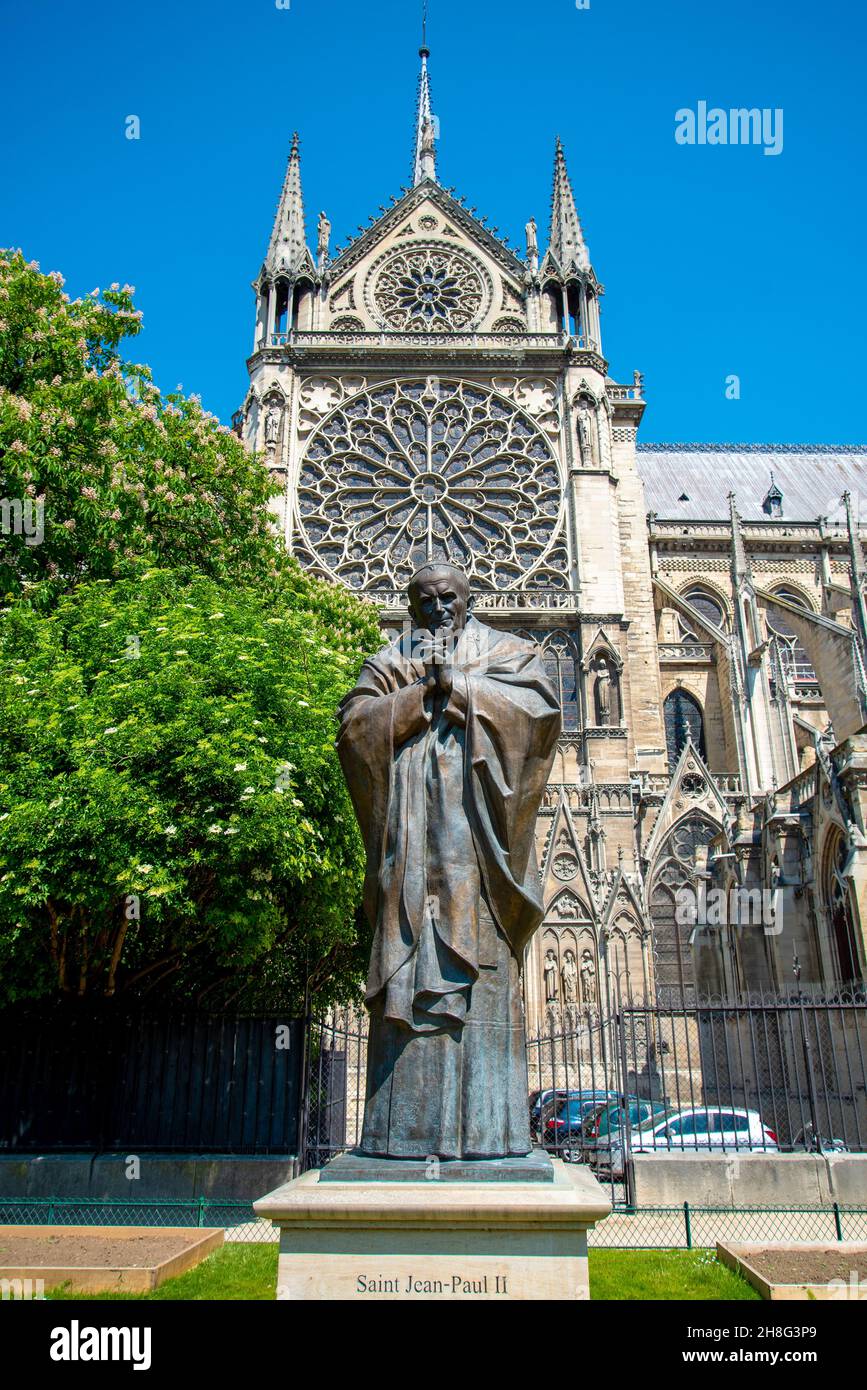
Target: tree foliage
123, 476
171, 806
172, 814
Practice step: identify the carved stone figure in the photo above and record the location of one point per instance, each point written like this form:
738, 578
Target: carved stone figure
324, 238
585, 433
446, 744
588, 978
428, 138
272, 426
602, 690
532, 240
549, 970
570, 979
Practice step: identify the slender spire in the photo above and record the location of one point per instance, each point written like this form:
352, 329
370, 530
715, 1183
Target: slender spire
566, 239
424, 160
288, 242
740, 563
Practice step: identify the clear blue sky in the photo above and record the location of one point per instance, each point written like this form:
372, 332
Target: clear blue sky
716, 260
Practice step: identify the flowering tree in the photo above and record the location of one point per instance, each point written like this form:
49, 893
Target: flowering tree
100, 474
172, 813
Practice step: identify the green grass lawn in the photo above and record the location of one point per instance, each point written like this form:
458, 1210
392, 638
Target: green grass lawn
664, 1274
249, 1272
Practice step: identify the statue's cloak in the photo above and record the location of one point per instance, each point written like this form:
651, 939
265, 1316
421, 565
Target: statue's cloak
446, 795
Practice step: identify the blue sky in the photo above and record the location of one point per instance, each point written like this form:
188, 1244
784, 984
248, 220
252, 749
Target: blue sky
717, 260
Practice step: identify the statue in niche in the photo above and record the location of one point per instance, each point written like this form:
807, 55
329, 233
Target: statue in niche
446, 744
585, 433
549, 970
570, 979
272, 426
588, 978
604, 693
324, 238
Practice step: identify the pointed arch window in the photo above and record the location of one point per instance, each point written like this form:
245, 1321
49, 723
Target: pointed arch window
709, 607
673, 873
560, 657
683, 720
839, 909
793, 658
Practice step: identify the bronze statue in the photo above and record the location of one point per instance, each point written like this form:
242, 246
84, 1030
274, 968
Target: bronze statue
446, 743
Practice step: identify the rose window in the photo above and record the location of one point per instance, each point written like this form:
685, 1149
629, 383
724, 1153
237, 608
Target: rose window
409, 472
429, 290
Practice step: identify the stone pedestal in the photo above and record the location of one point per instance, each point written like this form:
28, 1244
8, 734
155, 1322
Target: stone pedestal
435, 1240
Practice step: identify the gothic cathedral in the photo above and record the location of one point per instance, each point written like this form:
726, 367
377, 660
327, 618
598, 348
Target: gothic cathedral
428, 393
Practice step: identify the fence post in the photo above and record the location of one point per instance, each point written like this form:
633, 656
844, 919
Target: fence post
837, 1222
808, 1063
302, 1129
202, 1201
51, 1211
688, 1224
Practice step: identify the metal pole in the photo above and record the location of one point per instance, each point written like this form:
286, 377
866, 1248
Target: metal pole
808, 1059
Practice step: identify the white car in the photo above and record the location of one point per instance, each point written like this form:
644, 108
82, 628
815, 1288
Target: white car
716, 1128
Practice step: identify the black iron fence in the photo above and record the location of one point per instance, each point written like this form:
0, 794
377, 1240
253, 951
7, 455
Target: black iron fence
781, 1074
758, 1073
75, 1078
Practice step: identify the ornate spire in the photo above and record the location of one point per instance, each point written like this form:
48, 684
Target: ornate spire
425, 160
740, 563
566, 239
288, 245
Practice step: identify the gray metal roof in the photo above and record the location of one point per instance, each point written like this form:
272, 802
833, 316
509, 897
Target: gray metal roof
811, 477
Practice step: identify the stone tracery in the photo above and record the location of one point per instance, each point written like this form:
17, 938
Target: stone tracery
429, 289
413, 471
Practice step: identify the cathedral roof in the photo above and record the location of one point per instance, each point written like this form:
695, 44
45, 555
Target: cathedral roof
811, 477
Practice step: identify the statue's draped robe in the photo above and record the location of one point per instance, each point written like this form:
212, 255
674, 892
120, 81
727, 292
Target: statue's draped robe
446, 793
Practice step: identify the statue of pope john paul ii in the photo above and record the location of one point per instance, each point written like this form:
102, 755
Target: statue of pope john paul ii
446, 744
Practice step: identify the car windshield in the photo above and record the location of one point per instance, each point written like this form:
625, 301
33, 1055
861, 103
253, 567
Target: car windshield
660, 1118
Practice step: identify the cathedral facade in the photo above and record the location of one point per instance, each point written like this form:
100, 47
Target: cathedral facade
428, 393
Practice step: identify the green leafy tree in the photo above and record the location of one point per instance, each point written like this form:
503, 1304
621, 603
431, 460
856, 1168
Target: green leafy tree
172, 814
100, 474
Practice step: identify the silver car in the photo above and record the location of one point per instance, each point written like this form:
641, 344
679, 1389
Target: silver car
716, 1128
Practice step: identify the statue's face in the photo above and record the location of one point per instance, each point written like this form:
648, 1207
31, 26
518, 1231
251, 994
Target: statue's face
438, 603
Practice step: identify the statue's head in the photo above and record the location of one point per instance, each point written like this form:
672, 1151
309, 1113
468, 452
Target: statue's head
438, 598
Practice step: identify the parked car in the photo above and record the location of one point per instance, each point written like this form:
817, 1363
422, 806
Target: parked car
563, 1119
544, 1103
607, 1122
539, 1102
720, 1129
